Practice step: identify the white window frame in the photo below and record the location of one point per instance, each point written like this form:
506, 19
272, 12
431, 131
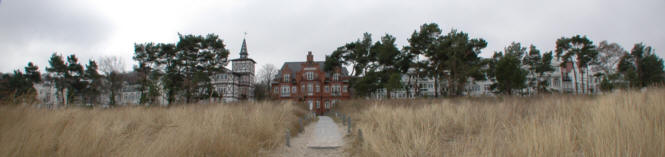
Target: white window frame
285, 91
311, 104
335, 76
336, 90
287, 77
309, 75
310, 89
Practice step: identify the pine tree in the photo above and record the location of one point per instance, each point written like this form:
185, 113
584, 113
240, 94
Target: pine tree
200, 57
543, 69
57, 70
172, 79
509, 74
32, 72
93, 90
457, 59
642, 67
146, 56
74, 78
423, 42
582, 50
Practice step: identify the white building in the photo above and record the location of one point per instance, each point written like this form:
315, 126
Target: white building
46, 93
561, 80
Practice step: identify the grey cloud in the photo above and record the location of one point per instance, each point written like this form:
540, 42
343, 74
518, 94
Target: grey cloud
282, 31
33, 29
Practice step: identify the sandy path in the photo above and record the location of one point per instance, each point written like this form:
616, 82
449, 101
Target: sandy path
300, 143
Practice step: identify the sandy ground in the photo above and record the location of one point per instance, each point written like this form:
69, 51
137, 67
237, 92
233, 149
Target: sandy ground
299, 145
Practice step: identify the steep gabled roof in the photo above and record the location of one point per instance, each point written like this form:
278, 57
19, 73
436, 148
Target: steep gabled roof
294, 67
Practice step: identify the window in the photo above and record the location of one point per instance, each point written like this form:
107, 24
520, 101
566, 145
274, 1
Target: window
309, 89
345, 89
318, 89
287, 77
326, 89
309, 75
293, 89
276, 90
318, 104
285, 91
327, 105
310, 104
335, 76
336, 89
302, 88
556, 82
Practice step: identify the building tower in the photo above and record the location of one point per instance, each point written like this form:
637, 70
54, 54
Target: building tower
243, 67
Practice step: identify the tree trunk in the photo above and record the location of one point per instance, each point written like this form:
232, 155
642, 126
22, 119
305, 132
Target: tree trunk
417, 88
575, 81
530, 83
450, 84
639, 72
561, 79
436, 86
388, 93
64, 97
588, 81
210, 90
112, 98
408, 87
582, 71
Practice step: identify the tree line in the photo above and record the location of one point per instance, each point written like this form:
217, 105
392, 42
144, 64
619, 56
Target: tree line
68, 76
174, 69
181, 71
453, 57
181, 67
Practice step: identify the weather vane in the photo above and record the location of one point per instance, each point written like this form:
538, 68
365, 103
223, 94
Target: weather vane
245, 33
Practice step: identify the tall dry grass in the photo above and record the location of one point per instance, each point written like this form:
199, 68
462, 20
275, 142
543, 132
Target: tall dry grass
187, 130
625, 123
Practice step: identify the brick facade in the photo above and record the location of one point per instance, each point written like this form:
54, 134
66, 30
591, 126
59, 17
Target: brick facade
308, 82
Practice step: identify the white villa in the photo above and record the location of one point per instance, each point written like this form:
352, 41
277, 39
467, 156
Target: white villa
561, 80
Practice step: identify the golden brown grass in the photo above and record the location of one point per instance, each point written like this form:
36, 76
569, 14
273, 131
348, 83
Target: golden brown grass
242, 129
625, 123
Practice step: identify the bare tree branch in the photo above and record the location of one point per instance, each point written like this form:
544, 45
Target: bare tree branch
108, 64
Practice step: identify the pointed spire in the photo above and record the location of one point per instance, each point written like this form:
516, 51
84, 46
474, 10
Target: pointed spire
243, 49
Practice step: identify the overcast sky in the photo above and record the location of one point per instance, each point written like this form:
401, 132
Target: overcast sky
280, 31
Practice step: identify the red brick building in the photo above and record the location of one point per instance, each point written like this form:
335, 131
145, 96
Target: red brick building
309, 83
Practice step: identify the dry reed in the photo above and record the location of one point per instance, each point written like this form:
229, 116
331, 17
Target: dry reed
245, 129
623, 123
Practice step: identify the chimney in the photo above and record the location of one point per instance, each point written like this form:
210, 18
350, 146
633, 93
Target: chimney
310, 57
